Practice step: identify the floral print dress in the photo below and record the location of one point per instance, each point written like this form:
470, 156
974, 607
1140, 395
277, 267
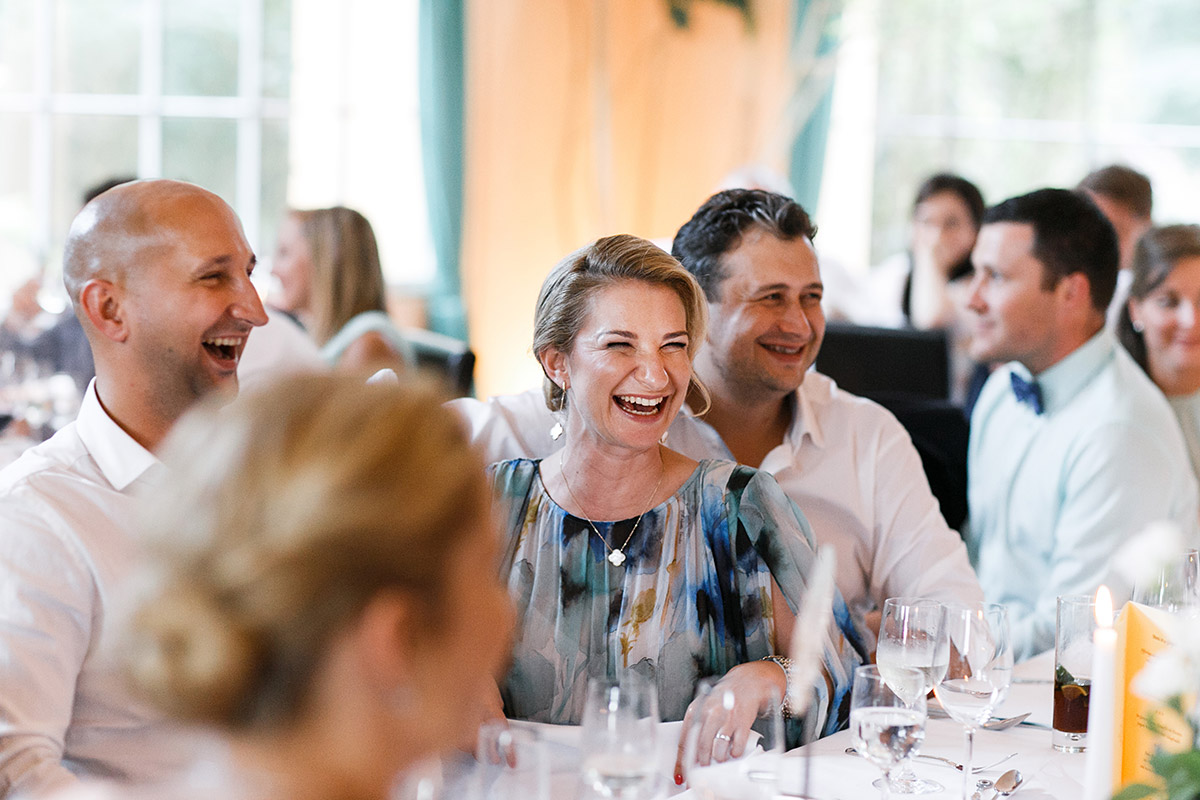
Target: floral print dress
692, 600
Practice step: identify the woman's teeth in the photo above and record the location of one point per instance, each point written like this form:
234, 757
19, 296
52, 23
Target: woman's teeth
642, 406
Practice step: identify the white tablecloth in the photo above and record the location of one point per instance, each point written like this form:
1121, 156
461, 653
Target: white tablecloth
1048, 773
839, 776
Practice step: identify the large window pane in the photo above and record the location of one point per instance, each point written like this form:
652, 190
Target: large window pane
203, 151
17, 261
200, 47
274, 184
16, 45
277, 48
96, 46
87, 151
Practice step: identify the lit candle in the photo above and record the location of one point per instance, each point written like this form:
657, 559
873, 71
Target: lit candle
1101, 744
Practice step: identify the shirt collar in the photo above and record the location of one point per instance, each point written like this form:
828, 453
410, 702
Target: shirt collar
121, 459
1061, 382
806, 421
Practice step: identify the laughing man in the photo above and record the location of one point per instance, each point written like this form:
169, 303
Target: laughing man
159, 275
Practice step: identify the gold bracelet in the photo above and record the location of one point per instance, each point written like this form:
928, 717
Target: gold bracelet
785, 664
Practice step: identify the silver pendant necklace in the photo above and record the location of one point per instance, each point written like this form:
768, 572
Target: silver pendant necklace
616, 557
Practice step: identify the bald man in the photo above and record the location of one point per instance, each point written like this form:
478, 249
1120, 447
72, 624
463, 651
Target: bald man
159, 275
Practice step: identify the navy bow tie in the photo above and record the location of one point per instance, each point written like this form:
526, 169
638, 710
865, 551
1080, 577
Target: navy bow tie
1028, 392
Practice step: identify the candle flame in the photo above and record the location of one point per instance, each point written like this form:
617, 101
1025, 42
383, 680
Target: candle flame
1104, 607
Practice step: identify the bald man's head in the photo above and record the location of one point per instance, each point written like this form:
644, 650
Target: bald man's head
159, 273
129, 225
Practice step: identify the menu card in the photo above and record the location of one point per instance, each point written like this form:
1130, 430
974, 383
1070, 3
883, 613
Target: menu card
1142, 632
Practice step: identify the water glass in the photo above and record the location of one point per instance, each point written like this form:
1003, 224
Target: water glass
978, 652
908, 637
887, 727
1074, 626
620, 729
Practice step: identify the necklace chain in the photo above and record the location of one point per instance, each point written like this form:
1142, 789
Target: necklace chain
616, 557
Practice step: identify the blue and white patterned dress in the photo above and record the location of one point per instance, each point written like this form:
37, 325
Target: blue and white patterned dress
693, 599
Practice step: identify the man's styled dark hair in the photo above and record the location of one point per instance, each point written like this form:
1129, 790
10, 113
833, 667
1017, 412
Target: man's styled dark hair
1070, 234
717, 228
1122, 185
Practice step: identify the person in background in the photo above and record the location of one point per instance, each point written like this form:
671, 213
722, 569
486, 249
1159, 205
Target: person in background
1072, 448
1160, 323
323, 594
330, 279
1126, 198
623, 554
159, 275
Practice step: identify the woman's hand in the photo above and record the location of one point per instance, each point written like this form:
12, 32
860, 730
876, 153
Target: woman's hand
723, 727
489, 709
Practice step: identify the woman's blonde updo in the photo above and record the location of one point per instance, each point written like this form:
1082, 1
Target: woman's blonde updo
563, 301
284, 513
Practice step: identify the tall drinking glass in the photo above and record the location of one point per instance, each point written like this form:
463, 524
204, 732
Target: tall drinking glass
887, 727
908, 637
978, 652
620, 729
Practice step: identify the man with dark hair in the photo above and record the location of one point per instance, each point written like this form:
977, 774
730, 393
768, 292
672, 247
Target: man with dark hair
1072, 448
846, 462
159, 275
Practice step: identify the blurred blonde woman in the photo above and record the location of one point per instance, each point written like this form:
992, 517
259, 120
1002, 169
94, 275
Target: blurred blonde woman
324, 592
330, 279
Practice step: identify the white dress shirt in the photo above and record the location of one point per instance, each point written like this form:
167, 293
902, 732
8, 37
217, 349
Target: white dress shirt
846, 462
67, 508
1053, 495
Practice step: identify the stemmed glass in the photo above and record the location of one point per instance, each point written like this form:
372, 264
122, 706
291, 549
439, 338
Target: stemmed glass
712, 771
620, 729
887, 727
908, 637
977, 648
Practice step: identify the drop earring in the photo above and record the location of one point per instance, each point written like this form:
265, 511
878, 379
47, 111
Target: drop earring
557, 430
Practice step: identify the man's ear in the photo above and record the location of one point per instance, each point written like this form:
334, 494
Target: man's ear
1076, 290
101, 304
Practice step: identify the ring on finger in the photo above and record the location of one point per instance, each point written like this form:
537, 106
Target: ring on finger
724, 737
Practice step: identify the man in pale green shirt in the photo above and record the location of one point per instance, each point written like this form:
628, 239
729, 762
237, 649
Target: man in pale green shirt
1072, 449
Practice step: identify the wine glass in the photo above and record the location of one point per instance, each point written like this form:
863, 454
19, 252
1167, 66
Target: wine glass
976, 646
908, 637
1174, 587
711, 769
620, 729
887, 727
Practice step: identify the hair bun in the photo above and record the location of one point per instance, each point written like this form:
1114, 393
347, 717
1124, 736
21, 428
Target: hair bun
189, 655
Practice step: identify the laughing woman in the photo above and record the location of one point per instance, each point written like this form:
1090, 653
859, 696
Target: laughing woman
623, 554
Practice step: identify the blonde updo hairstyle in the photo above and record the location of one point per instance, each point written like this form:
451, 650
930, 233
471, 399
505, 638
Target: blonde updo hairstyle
285, 513
563, 301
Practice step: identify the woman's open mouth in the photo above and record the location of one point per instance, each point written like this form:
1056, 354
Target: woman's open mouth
640, 406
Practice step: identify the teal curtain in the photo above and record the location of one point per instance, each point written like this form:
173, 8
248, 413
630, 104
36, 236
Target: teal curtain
442, 92
808, 150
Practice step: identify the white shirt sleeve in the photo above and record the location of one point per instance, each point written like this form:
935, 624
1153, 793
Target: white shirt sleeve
46, 621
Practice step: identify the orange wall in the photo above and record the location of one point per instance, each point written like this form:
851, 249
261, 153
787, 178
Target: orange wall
586, 118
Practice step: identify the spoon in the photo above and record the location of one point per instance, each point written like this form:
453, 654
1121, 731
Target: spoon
1007, 783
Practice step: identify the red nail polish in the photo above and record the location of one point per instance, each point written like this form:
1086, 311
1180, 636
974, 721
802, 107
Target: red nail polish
678, 779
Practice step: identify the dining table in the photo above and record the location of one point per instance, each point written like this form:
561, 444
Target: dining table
831, 773
834, 774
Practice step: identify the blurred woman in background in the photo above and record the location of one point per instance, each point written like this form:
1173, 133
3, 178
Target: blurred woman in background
330, 279
1160, 323
324, 592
